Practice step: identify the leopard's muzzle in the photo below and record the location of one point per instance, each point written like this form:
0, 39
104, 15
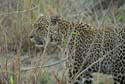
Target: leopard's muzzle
38, 41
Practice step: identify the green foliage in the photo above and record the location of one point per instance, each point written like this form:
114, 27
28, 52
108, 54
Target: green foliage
120, 18
11, 80
44, 78
74, 33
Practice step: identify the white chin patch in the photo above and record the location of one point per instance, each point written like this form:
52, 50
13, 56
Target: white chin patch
39, 46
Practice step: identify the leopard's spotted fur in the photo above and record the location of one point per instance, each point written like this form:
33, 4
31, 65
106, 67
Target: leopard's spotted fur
89, 49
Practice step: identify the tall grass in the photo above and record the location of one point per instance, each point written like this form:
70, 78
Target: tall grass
16, 20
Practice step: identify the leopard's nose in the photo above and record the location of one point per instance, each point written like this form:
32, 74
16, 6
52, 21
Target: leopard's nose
31, 36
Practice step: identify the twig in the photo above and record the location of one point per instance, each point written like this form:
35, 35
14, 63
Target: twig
55, 76
45, 66
15, 12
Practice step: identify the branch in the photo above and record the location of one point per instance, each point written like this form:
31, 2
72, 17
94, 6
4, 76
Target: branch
45, 66
15, 12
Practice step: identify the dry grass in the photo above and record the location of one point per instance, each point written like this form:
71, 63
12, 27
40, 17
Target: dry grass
18, 53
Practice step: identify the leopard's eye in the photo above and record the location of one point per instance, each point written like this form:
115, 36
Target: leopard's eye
54, 19
39, 28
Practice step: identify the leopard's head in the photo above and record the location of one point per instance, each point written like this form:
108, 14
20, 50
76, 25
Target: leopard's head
39, 32
53, 29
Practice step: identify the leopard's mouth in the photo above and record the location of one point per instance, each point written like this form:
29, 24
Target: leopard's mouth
39, 42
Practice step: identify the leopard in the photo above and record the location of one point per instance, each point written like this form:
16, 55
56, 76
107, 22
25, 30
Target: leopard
88, 49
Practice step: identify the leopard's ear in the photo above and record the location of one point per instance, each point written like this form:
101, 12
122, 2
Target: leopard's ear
54, 19
41, 18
